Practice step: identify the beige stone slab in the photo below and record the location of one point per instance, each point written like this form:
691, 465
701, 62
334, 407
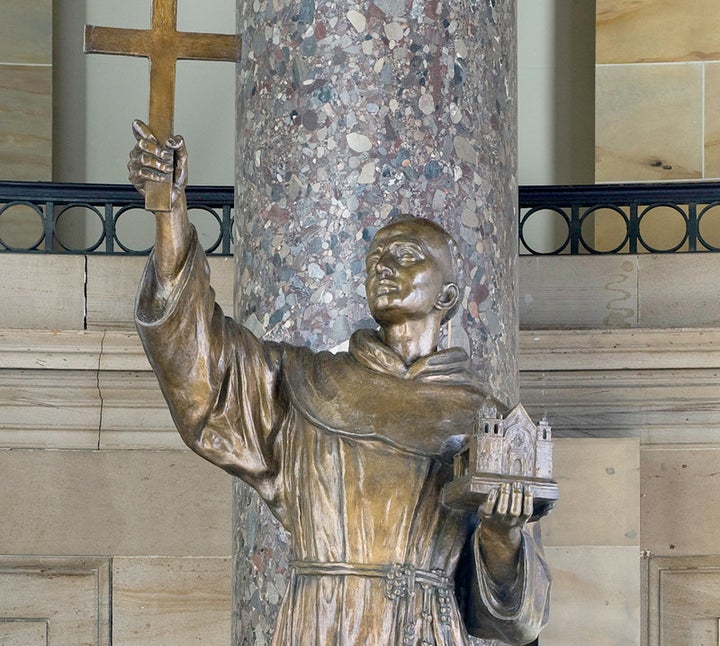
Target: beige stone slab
26, 32
680, 499
712, 138
49, 409
136, 503
26, 125
619, 349
42, 292
578, 292
113, 283
599, 483
162, 601
23, 632
617, 403
134, 413
595, 596
684, 596
678, 291
71, 350
633, 31
648, 122
61, 602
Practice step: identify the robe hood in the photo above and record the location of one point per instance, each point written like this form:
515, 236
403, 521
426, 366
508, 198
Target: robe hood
369, 393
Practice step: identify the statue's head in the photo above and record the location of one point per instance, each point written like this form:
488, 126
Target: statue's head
414, 271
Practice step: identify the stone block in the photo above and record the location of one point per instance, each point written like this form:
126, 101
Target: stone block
42, 292
599, 483
595, 596
680, 499
113, 282
54, 602
135, 503
712, 133
684, 594
597, 292
649, 122
26, 32
679, 290
26, 126
642, 31
163, 601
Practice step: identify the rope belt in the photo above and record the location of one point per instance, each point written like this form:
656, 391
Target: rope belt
400, 583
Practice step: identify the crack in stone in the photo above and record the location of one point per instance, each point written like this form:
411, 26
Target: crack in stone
97, 384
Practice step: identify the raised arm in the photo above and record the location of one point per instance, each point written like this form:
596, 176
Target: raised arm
151, 161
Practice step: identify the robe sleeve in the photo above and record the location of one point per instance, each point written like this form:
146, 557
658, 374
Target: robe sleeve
220, 382
513, 615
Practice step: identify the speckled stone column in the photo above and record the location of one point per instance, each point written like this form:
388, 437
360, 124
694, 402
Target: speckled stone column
350, 113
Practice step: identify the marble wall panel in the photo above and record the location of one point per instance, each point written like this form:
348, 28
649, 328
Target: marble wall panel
54, 602
680, 499
112, 282
684, 600
649, 122
42, 292
24, 632
170, 601
25, 122
634, 31
712, 124
599, 482
135, 503
595, 596
678, 290
561, 292
26, 32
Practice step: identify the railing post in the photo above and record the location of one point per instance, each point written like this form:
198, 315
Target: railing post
692, 226
109, 228
633, 227
575, 229
49, 227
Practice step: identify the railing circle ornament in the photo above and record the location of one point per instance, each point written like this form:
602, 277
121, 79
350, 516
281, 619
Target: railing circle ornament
544, 210
597, 209
5, 209
68, 209
702, 215
644, 216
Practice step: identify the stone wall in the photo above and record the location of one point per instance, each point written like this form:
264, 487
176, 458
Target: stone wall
109, 513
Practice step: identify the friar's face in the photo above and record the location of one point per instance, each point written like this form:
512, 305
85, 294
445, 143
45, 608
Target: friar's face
409, 270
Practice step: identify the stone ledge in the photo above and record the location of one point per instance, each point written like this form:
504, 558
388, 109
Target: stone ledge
95, 389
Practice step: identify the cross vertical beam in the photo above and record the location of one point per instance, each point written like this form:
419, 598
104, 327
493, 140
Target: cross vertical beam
163, 45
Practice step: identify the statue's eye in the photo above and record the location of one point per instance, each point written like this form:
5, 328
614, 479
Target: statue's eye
408, 254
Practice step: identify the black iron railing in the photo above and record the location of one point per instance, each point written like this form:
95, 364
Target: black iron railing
620, 218
101, 218
624, 218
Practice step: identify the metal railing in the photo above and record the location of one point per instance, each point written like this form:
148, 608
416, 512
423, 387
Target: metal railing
45, 217
620, 218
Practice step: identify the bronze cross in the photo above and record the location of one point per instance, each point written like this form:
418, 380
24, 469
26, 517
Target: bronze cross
163, 45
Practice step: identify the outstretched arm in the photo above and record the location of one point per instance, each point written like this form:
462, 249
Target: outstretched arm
167, 163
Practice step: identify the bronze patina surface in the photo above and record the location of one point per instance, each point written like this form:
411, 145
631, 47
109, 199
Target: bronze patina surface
350, 451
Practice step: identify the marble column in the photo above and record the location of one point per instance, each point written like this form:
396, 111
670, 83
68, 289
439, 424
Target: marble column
350, 113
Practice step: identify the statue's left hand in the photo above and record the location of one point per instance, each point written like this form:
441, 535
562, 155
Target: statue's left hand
502, 517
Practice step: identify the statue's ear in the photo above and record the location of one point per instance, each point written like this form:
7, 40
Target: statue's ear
448, 297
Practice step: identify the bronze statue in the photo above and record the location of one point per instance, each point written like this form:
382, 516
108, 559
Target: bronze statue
351, 450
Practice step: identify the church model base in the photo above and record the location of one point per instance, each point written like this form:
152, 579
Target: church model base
470, 492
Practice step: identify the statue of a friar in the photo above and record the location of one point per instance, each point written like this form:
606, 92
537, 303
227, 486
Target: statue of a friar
350, 451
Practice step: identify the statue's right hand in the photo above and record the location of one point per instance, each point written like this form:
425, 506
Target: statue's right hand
150, 161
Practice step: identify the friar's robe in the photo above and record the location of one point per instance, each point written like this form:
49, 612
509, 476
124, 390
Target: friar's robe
350, 451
